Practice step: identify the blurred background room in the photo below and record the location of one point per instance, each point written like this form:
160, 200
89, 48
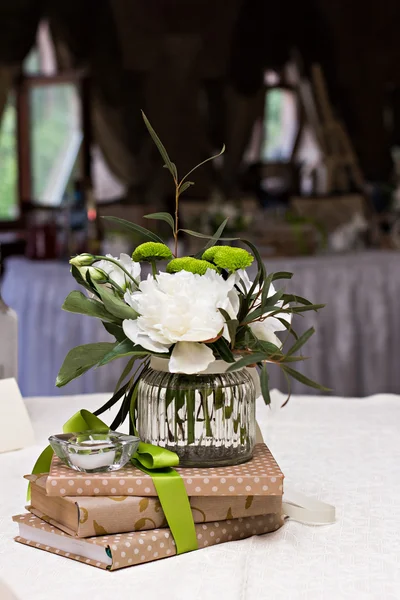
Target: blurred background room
306, 97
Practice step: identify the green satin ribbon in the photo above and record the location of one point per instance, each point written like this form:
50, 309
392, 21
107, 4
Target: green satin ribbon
156, 462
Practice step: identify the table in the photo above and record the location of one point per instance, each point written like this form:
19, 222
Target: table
354, 350
342, 451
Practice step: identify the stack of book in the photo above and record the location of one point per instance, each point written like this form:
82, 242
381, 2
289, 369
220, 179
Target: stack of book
114, 520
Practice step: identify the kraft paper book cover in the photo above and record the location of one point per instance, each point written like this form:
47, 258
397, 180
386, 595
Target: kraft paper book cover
87, 516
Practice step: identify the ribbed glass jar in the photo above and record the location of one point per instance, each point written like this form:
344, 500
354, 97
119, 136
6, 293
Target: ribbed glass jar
207, 419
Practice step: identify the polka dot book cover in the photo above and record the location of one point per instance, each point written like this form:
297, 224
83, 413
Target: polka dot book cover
259, 476
113, 552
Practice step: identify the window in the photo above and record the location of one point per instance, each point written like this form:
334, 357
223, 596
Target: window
275, 131
40, 133
9, 209
55, 139
280, 125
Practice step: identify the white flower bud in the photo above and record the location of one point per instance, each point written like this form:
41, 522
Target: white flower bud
95, 274
82, 260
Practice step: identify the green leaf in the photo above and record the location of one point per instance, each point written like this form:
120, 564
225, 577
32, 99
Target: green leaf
132, 407
219, 397
162, 216
249, 359
185, 186
125, 348
174, 169
265, 289
245, 335
272, 300
123, 411
81, 359
222, 347
259, 280
295, 309
300, 309
254, 315
291, 359
269, 348
282, 275
164, 154
260, 264
294, 298
135, 229
213, 239
78, 303
232, 324
206, 237
216, 236
264, 381
288, 326
76, 274
303, 379
126, 371
289, 383
115, 330
113, 400
204, 162
115, 305
301, 341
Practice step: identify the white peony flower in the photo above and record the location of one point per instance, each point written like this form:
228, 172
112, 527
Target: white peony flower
181, 309
116, 274
264, 330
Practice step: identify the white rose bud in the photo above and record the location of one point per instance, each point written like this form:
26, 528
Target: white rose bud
95, 274
82, 260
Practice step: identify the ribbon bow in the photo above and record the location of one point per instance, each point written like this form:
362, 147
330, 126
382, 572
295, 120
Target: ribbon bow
156, 462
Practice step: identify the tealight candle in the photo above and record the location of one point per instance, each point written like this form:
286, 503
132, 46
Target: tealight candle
93, 452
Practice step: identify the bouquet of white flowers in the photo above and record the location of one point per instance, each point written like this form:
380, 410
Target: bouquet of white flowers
193, 311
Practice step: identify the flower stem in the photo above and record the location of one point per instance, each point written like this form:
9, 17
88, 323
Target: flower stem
176, 218
115, 262
154, 268
190, 408
116, 286
204, 397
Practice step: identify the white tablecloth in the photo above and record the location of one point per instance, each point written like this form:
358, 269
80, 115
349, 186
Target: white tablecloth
343, 451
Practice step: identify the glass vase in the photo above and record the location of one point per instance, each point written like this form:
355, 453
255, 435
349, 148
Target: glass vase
207, 419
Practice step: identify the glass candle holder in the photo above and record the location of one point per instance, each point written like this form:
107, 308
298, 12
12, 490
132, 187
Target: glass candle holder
93, 452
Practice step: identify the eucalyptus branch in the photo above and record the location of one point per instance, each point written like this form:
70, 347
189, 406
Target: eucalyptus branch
176, 217
203, 163
255, 299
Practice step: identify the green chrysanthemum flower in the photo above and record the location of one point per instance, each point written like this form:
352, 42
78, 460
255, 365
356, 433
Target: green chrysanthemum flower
229, 258
151, 251
210, 253
188, 263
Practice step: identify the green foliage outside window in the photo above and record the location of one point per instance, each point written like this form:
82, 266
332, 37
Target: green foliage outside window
272, 124
8, 163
